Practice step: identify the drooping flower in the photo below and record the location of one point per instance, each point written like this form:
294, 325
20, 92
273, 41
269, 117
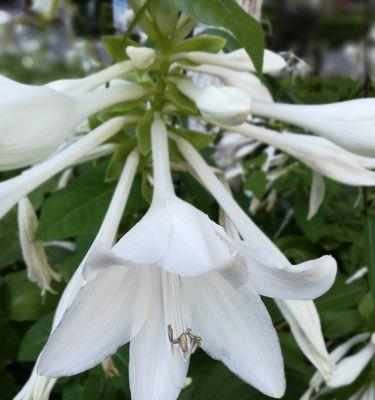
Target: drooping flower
163, 314
237, 60
224, 104
270, 272
322, 156
36, 120
14, 189
38, 268
245, 81
39, 387
349, 124
317, 153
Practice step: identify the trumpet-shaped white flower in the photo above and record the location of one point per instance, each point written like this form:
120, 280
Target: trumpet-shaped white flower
349, 124
304, 322
92, 81
337, 354
39, 387
164, 315
141, 57
38, 268
319, 154
14, 189
36, 120
237, 60
245, 81
269, 271
224, 104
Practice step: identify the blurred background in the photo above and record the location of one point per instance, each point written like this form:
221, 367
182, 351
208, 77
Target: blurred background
333, 37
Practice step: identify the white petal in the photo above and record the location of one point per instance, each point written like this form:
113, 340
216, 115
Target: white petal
157, 371
351, 367
141, 57
349, 124
304, 281
177, 237
304, 322
225, 104
317, 193
237, 330
107, 313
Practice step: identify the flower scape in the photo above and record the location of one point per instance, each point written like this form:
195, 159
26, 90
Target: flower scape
179, 281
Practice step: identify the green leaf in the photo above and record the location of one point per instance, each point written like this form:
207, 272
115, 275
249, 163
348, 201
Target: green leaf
117, 162
76, 210
369, 241
180, 100
208, 43
23, 301
143, 132
115, 47
257, 183
35, 338
164, 14
228, 14
313, 228
9, 342
10, 250
197, 139
340, 323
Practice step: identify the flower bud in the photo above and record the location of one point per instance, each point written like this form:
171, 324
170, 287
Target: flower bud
225, 104
141, 57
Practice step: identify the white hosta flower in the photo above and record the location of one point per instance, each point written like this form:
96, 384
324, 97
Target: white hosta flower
337, 354
349, 124
164, 315
304, 322
36, 120
224, 104
237, 60
319, 154
141, 57
93, 81
268, 270
245, 81
14, 189
173, 234
38, 268
349, 368
39, 387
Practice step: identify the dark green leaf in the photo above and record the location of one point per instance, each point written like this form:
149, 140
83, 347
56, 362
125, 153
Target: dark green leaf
257, 183
34, 339
369, 241
228, 14
74, 211
23, 301
208, 43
